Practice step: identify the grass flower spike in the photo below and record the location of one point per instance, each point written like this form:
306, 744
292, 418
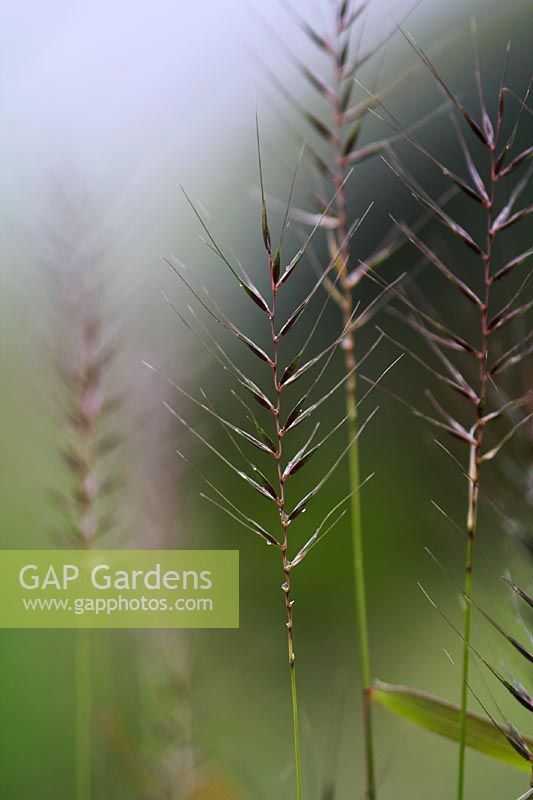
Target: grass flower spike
272, 440
84, 355
461, 367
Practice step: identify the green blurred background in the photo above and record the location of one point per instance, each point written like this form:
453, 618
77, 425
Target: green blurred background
221, 699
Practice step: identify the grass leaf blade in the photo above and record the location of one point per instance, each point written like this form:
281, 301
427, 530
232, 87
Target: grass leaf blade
443, 718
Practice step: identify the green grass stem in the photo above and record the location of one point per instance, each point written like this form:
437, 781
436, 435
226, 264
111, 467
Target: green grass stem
83, 677
296, 729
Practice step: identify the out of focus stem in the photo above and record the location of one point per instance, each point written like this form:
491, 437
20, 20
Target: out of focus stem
358, 555
83, 678
350, 363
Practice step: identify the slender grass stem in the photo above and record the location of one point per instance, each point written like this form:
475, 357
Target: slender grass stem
83, 678
467, 631
353, 455
465, 676
296, 727
359, 562
360, 595
473, 475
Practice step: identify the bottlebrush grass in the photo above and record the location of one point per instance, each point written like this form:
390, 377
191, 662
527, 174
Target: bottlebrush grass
274, 441
469, 369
